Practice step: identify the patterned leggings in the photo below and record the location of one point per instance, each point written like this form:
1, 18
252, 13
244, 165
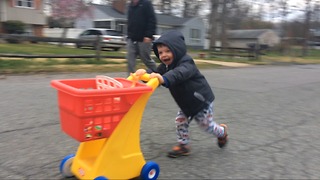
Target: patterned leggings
205, 121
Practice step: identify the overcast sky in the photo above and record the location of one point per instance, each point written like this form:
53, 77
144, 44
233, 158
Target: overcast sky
272, 12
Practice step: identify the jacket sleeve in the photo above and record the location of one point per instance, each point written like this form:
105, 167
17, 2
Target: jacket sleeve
181, 73
152, 21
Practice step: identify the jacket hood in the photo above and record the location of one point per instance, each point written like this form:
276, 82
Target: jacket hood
175, 42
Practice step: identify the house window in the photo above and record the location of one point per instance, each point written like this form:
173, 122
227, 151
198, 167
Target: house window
102, 24
24, 3
195, 35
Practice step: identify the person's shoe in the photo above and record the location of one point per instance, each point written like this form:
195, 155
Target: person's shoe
222, 141
179, 150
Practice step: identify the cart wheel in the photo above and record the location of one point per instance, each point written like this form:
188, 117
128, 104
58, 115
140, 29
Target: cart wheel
150, 171
100, 178
65, 166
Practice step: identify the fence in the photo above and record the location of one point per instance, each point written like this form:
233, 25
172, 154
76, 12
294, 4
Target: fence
21, 38
250, 53
56, 32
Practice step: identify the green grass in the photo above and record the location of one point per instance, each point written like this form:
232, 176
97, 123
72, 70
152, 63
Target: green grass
292, 55
4, 64
44, 48
26, 65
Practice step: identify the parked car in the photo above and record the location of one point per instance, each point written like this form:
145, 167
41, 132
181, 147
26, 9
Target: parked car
155, 37
110, 38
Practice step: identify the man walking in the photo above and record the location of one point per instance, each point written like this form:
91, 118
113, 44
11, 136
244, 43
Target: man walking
141, 28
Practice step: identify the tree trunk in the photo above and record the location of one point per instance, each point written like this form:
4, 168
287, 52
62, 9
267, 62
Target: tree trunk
306, 30
213, 23
63, 35
284, 45
223, 35
186, 7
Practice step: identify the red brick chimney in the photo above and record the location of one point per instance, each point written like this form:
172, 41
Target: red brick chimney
120, 6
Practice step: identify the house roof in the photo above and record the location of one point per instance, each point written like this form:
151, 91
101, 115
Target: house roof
246, 33
110, 11
163, 19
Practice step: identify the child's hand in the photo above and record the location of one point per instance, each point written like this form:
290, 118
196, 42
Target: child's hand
140, 72
157, 75
134, 79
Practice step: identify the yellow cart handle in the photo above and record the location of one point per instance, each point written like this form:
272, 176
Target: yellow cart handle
152, 82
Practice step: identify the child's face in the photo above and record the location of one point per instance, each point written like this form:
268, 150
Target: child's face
165, 54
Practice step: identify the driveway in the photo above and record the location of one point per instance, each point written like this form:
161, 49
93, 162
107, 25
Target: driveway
272, 113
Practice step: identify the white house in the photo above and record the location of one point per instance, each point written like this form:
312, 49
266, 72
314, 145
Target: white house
28, 12
114, 17
243, 37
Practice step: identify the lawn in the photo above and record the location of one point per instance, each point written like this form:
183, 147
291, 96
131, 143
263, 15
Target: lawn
44, 48
26, 65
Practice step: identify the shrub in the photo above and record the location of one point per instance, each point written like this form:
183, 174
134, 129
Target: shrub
14, 27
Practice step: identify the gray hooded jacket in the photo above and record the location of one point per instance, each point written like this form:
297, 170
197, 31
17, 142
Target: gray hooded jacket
182, 77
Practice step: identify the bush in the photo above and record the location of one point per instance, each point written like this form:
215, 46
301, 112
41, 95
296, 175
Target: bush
14, 27
13, 40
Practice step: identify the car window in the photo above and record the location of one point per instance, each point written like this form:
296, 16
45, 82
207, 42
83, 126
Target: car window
85, 33
113, 33
97, 32
94, 32
89, 32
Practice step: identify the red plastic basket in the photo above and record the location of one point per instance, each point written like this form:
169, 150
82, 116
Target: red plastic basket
88, 113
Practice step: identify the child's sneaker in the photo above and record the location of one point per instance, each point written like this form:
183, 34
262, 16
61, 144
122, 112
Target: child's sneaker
179, 150
222, 141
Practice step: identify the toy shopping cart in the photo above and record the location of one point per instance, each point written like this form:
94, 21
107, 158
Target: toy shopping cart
104, 114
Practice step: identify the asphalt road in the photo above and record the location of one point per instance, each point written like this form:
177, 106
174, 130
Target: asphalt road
272, 113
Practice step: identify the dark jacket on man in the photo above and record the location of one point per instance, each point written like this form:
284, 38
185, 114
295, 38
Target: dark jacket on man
141, 20
182, 77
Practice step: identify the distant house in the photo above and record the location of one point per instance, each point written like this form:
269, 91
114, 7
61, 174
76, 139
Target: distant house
29, 12
114, 17
243, 38
315, 33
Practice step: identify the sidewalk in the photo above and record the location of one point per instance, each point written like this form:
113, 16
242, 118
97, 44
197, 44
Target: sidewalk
222, 63
228, 64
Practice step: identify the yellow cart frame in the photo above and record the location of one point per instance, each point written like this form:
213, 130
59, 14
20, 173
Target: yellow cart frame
118, 156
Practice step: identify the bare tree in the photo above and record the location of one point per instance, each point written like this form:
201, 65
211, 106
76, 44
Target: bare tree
213, 22
191, 8
66, 11
306, 27
223, 20
166, 6
238, 14
284, 13
181, 8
